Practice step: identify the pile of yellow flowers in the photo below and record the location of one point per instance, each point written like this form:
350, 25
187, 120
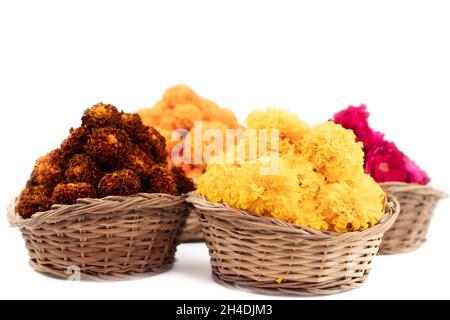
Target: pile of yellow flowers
179, 108
319, 181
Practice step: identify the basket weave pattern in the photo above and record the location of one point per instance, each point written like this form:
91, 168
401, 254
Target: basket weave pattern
417, 205
113, 238
192, 232
270, 256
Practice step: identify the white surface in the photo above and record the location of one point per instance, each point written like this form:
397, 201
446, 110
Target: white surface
314, 58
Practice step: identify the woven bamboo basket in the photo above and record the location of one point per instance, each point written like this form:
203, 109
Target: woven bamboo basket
192, 231
113, 238
265, 255
417, 204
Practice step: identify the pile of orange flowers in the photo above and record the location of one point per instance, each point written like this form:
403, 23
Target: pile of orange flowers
179, 108
318, 181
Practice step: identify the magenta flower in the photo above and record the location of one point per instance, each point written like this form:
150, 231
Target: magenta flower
415, 173
384, 162
355, 118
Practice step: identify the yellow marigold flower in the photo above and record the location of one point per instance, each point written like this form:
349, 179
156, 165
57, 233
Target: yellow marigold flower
309, 180
371, 197
309, 216
333, 151
291, 128
351, 208
339, 206
244, 187
318, 182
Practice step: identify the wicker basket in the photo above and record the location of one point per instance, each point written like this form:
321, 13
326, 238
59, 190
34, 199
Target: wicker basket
104, 239
192, 231
274, 257
417, 204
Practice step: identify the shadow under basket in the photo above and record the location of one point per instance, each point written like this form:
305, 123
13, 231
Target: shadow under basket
417, 205
270, 256
113, 238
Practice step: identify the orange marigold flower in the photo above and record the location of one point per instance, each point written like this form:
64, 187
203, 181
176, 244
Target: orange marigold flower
179, 108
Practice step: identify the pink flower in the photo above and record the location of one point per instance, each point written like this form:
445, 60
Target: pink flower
355, 118
415, 173
384, 162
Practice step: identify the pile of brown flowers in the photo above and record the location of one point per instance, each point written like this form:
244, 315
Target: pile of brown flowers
111, 153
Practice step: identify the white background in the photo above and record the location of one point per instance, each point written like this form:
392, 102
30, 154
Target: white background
312, 57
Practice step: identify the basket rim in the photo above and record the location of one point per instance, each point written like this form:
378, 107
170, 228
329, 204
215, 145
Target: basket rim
391, 212
422, 189
153, 200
